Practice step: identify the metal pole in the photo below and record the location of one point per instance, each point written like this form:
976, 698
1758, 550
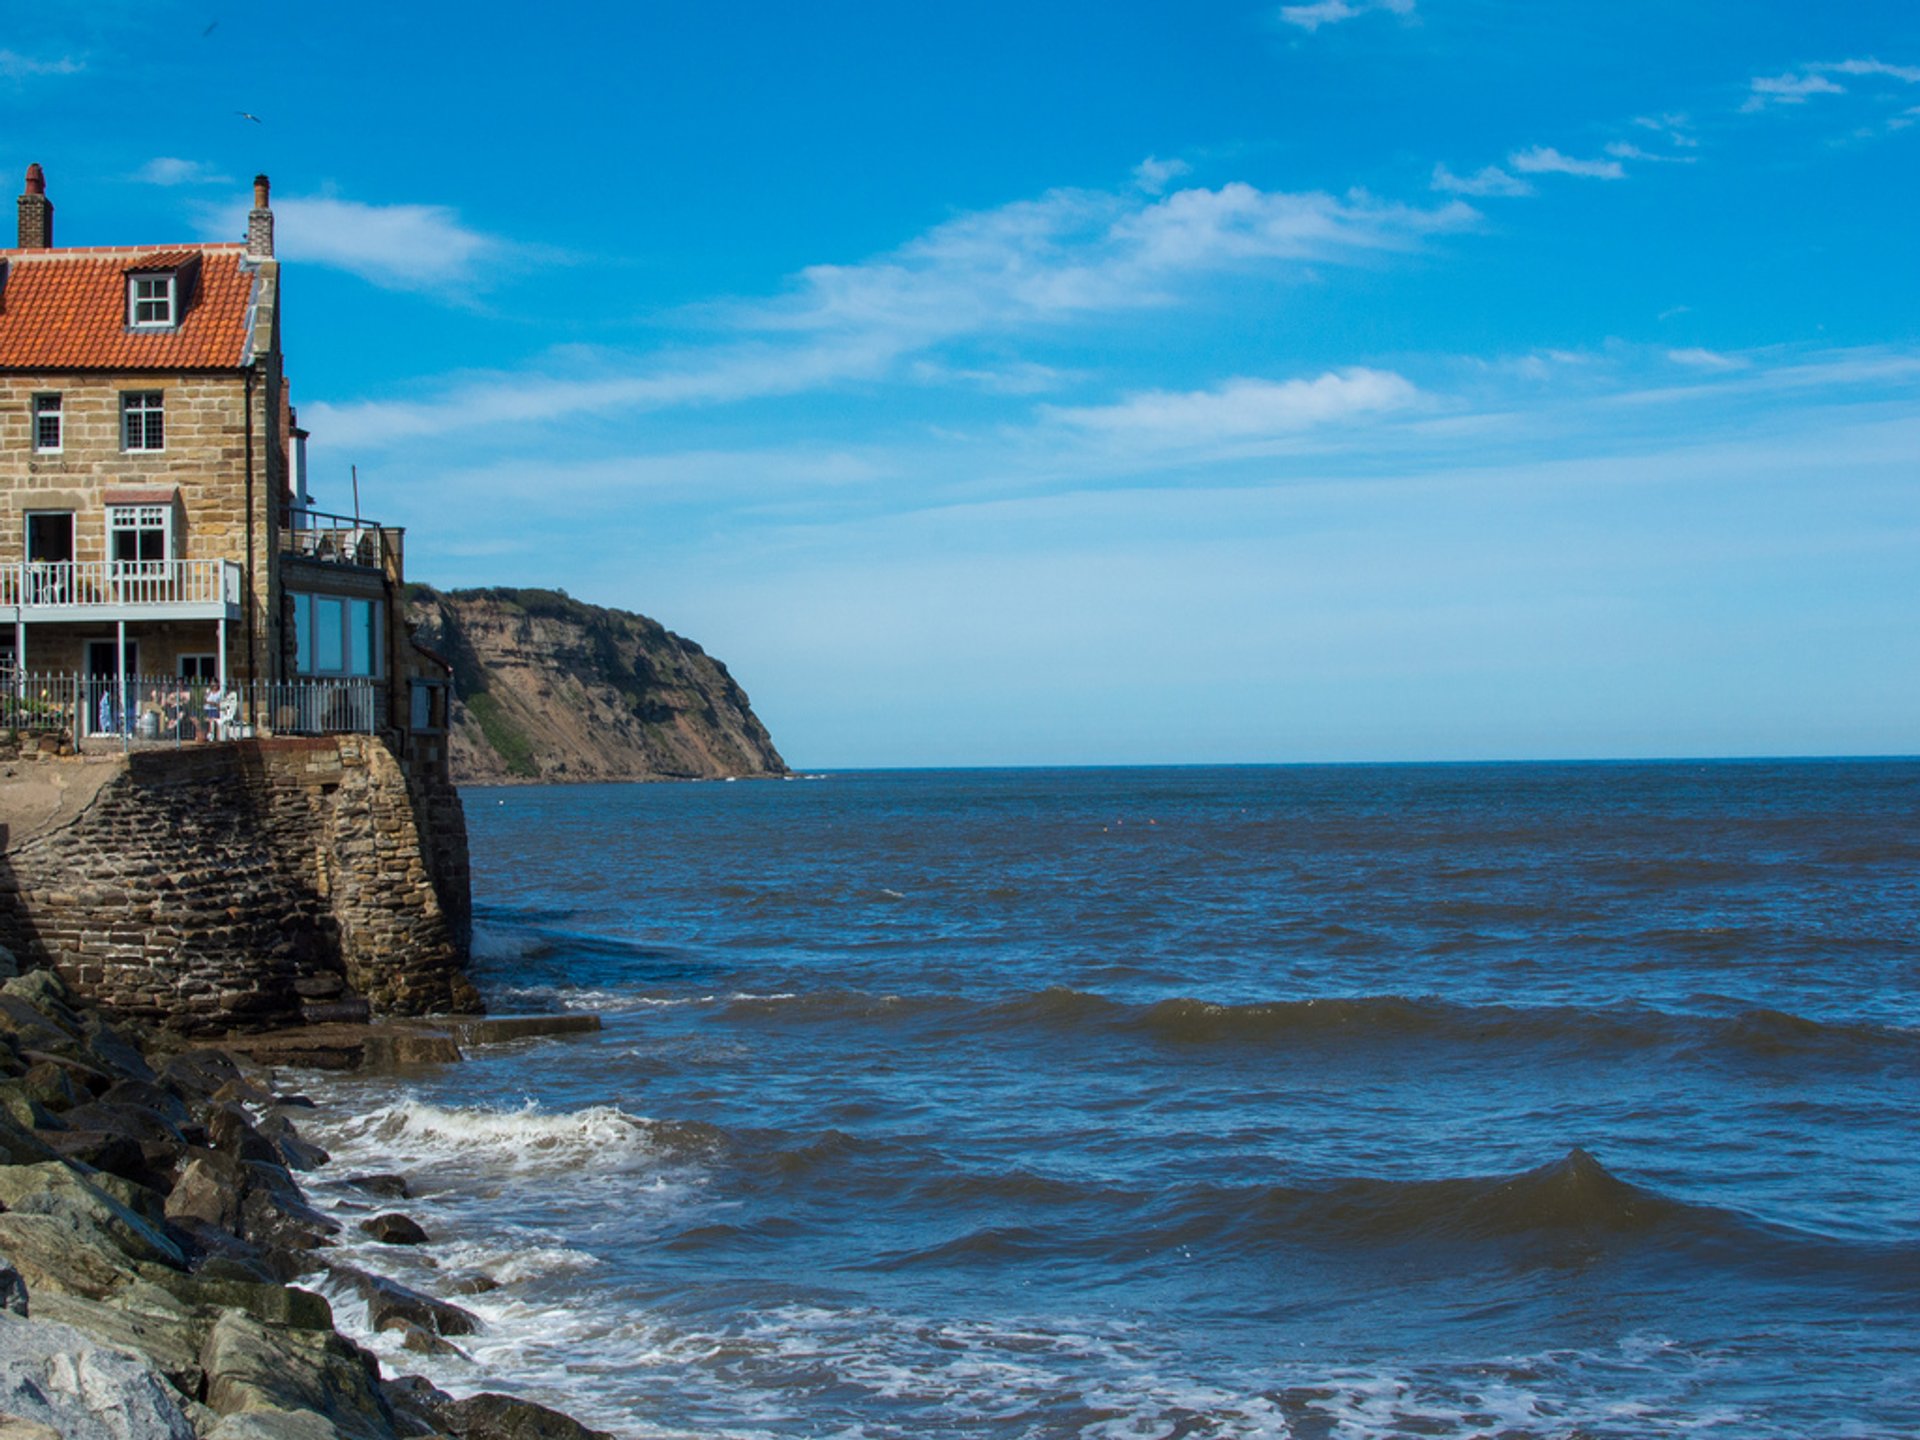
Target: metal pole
120, 674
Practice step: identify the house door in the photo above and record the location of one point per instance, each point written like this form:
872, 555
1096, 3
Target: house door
50, 557
107, 709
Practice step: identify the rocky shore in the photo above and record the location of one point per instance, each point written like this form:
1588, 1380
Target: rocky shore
154, 1241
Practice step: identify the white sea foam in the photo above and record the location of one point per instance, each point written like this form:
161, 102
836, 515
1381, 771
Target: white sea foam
412, 1134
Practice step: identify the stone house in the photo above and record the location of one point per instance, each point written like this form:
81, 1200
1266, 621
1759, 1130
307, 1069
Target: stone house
155, 520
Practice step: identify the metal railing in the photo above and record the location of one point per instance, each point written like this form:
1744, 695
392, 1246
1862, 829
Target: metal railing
336, 539
170, 710
47, 584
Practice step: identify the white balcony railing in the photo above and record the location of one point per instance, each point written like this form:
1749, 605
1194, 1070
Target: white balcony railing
157, 584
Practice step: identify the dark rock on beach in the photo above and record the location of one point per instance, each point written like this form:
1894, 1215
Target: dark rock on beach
394, 1230
152, 1241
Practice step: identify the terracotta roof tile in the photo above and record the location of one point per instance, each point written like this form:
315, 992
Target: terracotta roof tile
67, 310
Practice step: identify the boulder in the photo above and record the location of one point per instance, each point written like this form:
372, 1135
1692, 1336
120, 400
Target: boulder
58, 1190
81, 1388
391, 1305
271, 1425
502, 1417
144, 1319
51, 1085
20, 1105
20, 1146
392, 1187
13, 1292
12, 1427
197, 1073
9, 963
394, 1230
60, 1254
253, 1367
112, 1050
230, 1129
208, 1191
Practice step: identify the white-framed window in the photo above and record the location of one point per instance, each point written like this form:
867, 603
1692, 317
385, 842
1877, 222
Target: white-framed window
338, 635
143, 420
150, 301
49, 436
139, 535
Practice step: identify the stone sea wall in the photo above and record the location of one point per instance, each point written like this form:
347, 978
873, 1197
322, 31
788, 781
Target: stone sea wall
249, 885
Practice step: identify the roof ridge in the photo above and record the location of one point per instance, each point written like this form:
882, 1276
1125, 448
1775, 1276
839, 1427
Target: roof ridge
81, 252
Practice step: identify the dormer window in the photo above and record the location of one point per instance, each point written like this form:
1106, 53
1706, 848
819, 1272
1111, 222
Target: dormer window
151, 301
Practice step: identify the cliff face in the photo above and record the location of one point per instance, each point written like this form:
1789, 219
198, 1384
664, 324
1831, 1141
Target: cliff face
549, 688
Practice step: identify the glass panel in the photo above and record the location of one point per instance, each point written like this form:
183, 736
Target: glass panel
422, 716
329, 617
359, 638
303, 634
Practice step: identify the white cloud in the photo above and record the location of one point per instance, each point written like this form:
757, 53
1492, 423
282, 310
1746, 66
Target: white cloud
1075, 252
1312, 16
1908, 73
1673, 127
399, 247
1243, 408
1488, 180
170, 170
1545, 160
1621, 150
1789, 89
1062, 257
15, 66
1153, 175
1706, 359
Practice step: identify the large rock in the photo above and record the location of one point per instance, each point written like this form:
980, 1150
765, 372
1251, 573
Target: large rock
60, 1377
144, 1319
271, 1425
502, 1417
394, 1229
391, 1305
255, 1367
58, 1190
61, 1254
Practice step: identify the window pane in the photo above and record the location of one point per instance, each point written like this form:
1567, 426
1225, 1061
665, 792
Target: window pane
328, 622
303, 634
360, 635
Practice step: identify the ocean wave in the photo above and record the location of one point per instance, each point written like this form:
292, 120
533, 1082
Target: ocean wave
411, 1133
1187, 1021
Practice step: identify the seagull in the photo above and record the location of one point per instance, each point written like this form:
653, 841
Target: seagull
248, 115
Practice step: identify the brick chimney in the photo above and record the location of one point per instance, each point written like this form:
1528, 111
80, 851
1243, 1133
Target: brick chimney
36, 212
259, 223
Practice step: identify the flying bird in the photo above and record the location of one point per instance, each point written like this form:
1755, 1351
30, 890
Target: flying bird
248, 115
210, 29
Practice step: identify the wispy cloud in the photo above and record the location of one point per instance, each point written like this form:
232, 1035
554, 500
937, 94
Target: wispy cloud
1153, 175
1545, 160
1242, 408
1488, 180
15, 66
1624, 150
398, 247
1074, 252
170, 170
1311, 17
1706, 359
1675, 128
1795, 87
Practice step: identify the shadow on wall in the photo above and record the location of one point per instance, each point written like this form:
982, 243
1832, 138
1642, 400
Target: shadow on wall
246, 886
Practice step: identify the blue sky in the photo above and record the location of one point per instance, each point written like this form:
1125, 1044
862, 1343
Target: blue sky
1075, 383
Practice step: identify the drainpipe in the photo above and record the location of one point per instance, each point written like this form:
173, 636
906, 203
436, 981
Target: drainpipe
246, 589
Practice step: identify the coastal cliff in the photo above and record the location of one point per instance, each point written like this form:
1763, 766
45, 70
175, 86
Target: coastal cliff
550, 688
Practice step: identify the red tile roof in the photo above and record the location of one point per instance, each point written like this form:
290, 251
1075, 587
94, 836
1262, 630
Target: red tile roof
67, 310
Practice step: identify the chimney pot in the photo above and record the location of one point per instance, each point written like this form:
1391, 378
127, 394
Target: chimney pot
260, 222
36, 212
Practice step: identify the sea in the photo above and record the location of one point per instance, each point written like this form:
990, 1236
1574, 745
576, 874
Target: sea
1525, 1100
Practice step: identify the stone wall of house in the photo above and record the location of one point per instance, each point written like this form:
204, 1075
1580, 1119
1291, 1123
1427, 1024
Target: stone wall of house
248, 885
204, 459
